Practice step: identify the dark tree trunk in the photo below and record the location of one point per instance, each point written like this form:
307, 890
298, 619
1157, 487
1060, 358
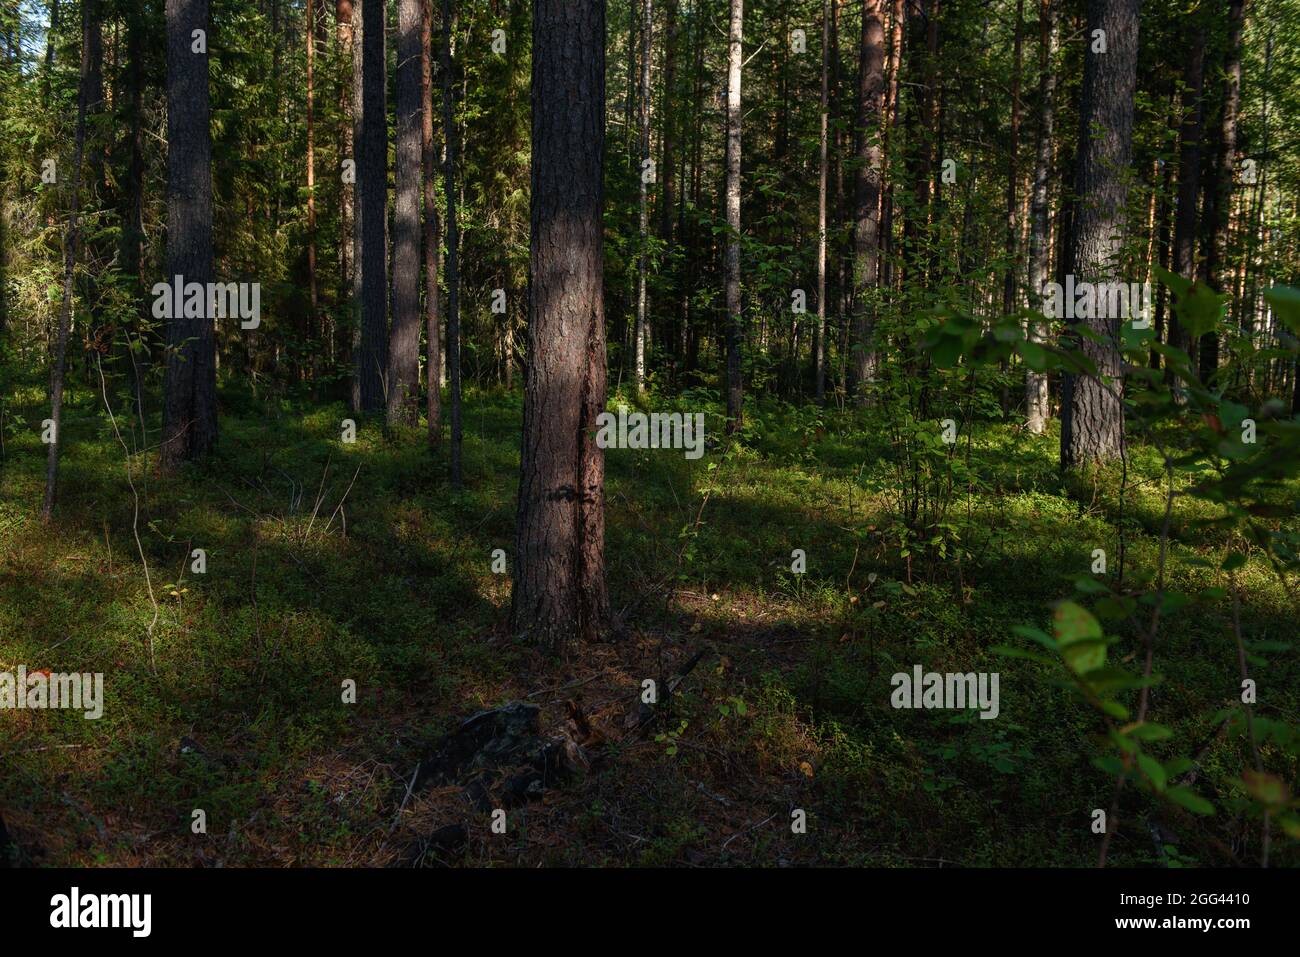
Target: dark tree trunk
735, 384
668, 171
1092, 426
1189, 175
819, 340
190, 391
1037, 409
1219, 190
404, 343
347, 236
453, 242
432, 236
313, 293
371, 356
866, 230
71, 246
559, 580
643, 138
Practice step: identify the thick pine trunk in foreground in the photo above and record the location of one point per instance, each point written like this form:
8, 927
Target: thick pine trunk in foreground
735, 384
559, 577
190, 389
403, 399
1092, 423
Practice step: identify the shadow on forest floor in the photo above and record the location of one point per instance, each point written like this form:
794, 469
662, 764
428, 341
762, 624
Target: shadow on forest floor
329, 562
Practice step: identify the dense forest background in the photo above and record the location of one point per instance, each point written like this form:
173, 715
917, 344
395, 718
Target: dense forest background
829, 226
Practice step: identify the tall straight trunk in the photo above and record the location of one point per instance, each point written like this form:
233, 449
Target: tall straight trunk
897, 17
1189, 175
453, 241
673, 166
559, 581
866, 231
735, 385
643, 258
132, 204
404, 342
309, 33
432, 236
1092, 426
71, 246
371, 355
190, 387
347, 91
1219, 191
1011, 277
1163, 248
48, 68
819, 343
922, 40
1037, 409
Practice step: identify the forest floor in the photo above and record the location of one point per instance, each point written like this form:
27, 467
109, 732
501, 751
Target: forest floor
329, 561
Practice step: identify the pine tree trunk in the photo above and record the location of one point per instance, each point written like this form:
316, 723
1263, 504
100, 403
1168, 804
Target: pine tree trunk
866, 232
190, 387
819, 342
1092, 423
453, 242
643, 259
71, 246
404, 341
559, 579
313, 296
1037, 409
347, 235
371, 356
1219, 190
735, 385
432, 235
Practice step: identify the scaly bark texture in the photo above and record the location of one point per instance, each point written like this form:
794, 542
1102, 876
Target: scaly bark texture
71, 246
190, 387
819, 340
1092, 422
343, 18
1037, 409
559, 577
867, 180
1218, 205
404, 341
432, 237
371, 353
735, 331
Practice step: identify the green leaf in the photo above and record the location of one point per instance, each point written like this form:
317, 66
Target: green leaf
1085, 656
1072, 623
1150, 731
1186, 797
1153, 770
1285, 301
1034, 634
1265, 788
1233, 562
